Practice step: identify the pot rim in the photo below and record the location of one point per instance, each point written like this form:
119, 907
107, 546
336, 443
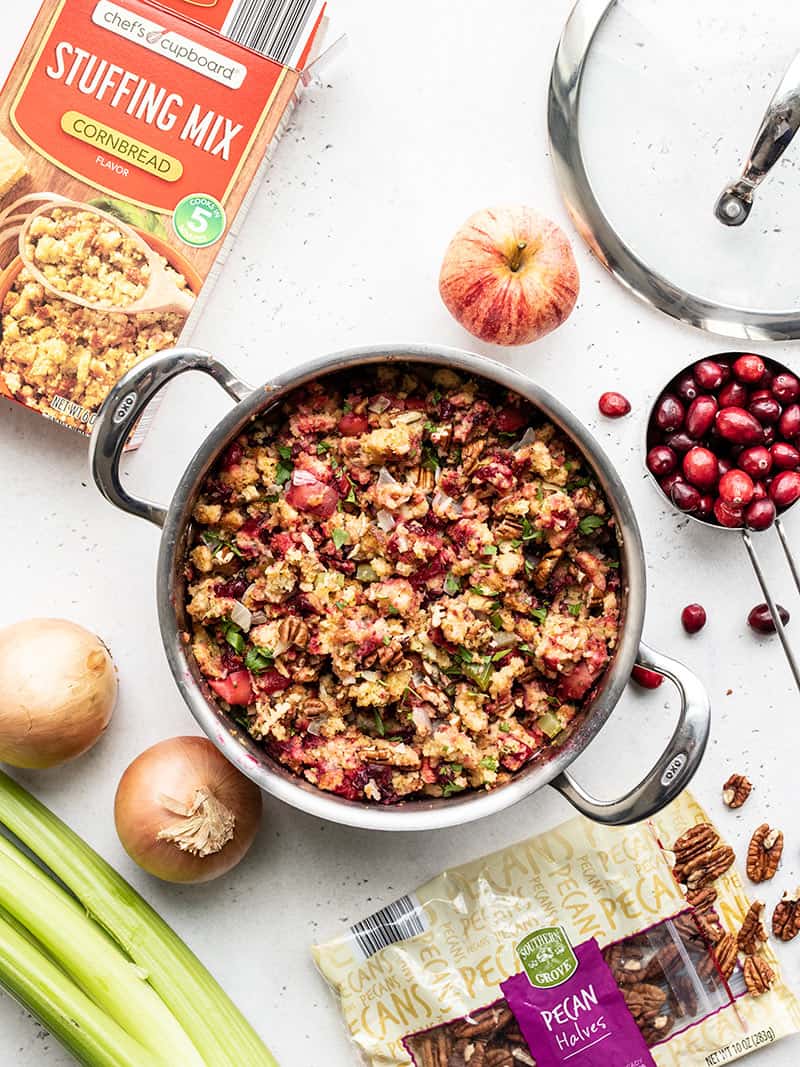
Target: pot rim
245, 753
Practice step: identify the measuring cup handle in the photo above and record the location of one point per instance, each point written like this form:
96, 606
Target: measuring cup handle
676, 765
125, 404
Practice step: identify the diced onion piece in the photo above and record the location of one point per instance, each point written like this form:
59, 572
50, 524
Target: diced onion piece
385, 520
527, 438
443, 504
301, 477
379, 404
241, 616
370, 676
385, 478
313, 727
307, 542
421, 719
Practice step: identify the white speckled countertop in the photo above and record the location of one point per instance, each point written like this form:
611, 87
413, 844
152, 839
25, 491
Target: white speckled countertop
427, 116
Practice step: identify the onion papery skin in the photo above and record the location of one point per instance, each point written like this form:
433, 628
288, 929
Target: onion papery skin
161, 784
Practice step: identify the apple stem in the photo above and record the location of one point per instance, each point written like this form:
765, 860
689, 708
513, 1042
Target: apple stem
516, 256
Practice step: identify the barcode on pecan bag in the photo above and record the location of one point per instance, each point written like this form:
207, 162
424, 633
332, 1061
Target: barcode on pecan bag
279, 29
402, 919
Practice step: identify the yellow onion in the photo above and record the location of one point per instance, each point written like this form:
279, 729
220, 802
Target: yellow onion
58, 687
185, 814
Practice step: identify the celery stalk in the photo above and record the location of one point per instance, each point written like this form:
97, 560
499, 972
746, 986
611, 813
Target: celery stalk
213, 1022
114, 983
36, 982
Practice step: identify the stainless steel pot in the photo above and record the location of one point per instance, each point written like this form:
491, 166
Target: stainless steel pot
675, 766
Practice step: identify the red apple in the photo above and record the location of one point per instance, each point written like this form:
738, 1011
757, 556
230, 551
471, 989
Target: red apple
509, 276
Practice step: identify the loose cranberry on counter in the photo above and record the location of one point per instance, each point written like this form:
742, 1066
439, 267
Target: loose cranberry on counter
693, 618
614, 405
785, 488
669, 413
785, 387
687, 388
709, 374
755, 461
701, 468
760, 514
662, 460
749, 369
726, 515
784, 456
766, 409
680, 442
700, 416
789, 424
645, 678
761, 620
736, 489
739, 426
685, 497
733, 395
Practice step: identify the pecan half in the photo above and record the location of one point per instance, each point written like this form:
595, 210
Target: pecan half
485, 1021
758, 976
696, 840
470, 454
545, 567
726, 952
764, 853
644, 1001
702, 899
293, 631
626, 963
497, 1057
663, 962
786, 917
752, 932
425, 478
386, 657
706, 868
508, 530
736, 790
658, 1028
710, 926
683, 995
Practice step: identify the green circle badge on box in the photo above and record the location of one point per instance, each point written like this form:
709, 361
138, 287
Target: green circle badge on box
199, 220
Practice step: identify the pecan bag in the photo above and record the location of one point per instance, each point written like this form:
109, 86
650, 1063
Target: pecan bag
587, 944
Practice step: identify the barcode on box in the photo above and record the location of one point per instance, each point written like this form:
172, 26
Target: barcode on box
278, 29
402, 919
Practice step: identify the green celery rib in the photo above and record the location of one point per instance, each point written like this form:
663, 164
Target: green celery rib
207, 1014
114, 983
91, 1036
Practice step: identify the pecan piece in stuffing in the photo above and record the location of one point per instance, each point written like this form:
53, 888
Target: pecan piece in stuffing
752, 932
386, 657
545, 567
786, 917
726, 952
293, 631
645, 1001
706, 868
736, 790
692, 843
764, 853
470, 454
758, 975
396, 754
508, 530
425, 478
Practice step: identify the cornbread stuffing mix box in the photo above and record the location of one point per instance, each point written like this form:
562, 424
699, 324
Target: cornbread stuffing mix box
130, 137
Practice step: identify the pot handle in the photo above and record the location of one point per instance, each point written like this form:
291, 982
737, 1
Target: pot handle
126, 403
676, 765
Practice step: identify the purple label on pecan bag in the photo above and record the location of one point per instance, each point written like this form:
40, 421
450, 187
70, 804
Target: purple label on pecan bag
569, 1008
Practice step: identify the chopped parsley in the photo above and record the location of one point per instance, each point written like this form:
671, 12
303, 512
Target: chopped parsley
452, 787
489, 763
258, 659
504, 727
340, 537
574, 610
323, 447
590, 523
379, 724
452, 586
215, 542
489, 550
284, 452
436, 396
496, 619
351, 497
540, 614
529, 532
430, 458
233, 635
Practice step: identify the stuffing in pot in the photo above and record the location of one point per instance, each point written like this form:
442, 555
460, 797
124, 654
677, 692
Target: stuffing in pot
403, 584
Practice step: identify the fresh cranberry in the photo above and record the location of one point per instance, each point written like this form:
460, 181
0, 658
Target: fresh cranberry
760, 514
669, 413
314, 497
680, 442
726, 515
785, 387
725, 366
749, 369
693, 618
785, 488
235, 588
768, 437
273, 681
235, 689
700, 467
700, 416
645, 678
733, 395
685, 497
755, 461
687, 388
233, 456
759, 491
789, 424
735, 489
510, 419
351, 425
784, 456
766, 409
709, 374
705, 509
661, 460
739, 426
614, 405
669, 483
724, 465
760, 618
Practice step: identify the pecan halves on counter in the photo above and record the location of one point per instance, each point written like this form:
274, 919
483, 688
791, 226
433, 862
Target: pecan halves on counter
758, 976
736, 790
706, 867
726, 952
786, 917
752, 933
764, 853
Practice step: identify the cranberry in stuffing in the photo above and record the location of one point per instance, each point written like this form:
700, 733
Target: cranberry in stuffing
235, 689
351, 425
510, 419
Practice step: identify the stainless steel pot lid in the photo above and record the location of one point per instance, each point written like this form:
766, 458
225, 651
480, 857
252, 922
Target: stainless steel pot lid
655, 111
